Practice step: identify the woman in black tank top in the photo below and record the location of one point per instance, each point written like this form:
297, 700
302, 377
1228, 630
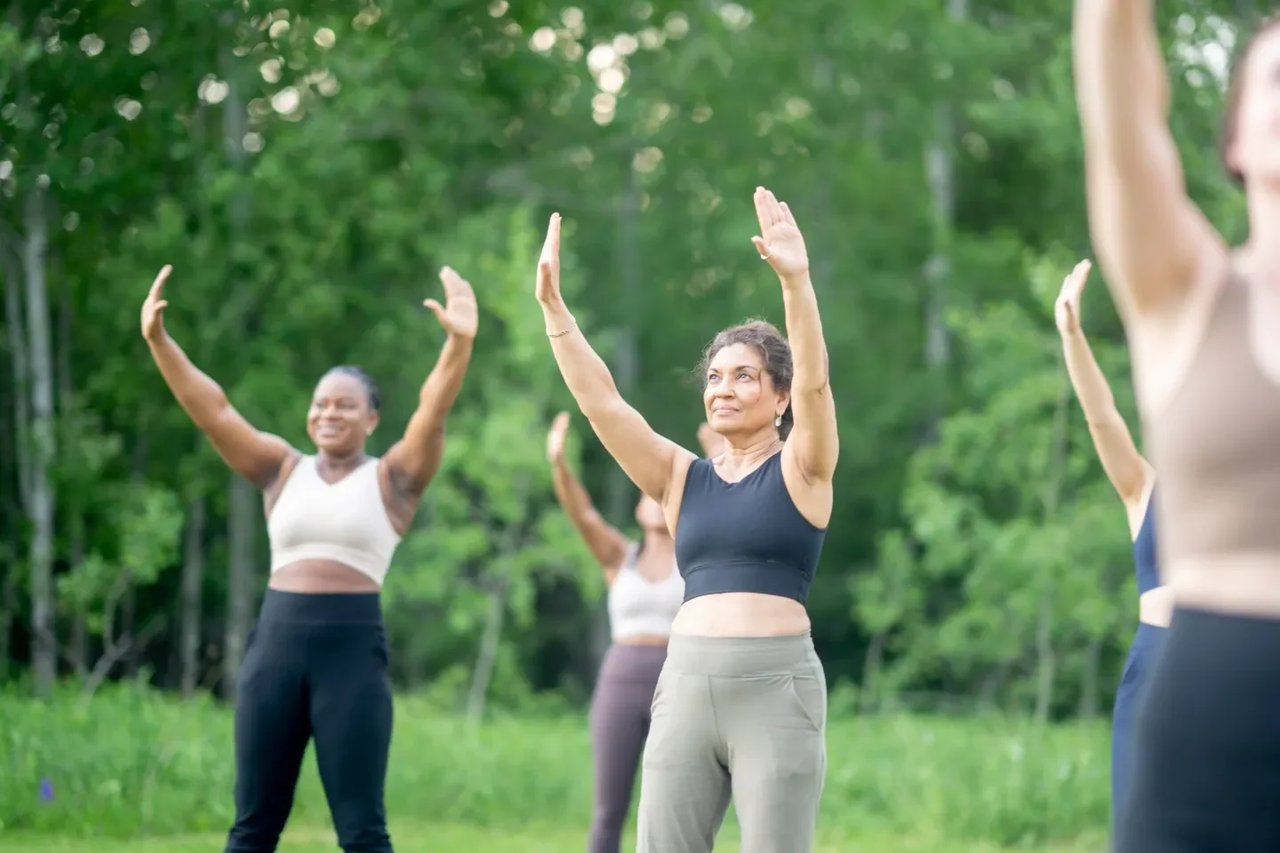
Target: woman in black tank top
740, 706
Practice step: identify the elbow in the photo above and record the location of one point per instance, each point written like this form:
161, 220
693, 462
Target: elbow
815, 388
213, 411
600, 408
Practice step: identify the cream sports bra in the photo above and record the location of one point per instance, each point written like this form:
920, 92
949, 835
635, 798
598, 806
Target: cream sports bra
344, 521
638, 605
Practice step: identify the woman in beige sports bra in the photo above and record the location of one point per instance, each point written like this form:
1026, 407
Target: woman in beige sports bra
1204, 328
645, 591
316, 662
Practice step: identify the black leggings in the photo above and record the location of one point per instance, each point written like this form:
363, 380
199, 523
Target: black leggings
316, 666
1206, 773
619, 724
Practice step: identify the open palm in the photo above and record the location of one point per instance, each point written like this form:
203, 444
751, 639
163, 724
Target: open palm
780, 242
1066, 309
153, 307
459, 315
556, 436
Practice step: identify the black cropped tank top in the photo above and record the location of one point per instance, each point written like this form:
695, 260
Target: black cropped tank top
746, 536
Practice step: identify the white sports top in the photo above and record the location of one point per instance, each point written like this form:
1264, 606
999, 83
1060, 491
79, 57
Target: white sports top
344, 521
641, 606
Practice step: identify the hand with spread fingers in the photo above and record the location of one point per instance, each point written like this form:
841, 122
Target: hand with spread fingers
459, 315
779, 243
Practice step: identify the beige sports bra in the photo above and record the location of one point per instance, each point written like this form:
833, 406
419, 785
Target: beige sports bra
1217, 443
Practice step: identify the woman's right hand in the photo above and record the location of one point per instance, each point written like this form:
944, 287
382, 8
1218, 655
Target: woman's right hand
556, 437
153, 308
1066, 310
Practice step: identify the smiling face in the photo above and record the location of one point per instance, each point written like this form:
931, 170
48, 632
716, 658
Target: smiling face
341, 416
1251, 125
740, 396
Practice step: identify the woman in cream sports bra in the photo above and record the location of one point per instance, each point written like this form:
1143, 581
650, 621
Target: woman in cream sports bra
315, 666
1204, 326
645, 591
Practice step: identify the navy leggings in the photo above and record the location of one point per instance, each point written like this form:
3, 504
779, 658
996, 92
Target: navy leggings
1206, 765
1143, 653
316, 667
620, 711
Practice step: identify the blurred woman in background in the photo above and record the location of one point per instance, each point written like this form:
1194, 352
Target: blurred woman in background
645, 591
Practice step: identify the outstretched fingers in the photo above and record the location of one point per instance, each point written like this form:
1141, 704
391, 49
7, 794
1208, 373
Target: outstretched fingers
455, 286
787, 215
551, 245
1074, 283
768, 210
158, 285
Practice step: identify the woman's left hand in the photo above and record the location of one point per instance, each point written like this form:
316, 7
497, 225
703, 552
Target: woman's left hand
780, 243
459, 315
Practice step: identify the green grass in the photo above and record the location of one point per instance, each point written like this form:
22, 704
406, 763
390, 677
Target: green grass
445, 838
133, 765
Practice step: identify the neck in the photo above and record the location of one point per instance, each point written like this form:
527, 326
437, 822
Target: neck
657, 540
758, 447
340, 461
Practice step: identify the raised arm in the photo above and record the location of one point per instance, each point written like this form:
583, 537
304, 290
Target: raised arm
414, 459
257, 456
1129, 472
605, 542
653, 462
1153, 243
814, 443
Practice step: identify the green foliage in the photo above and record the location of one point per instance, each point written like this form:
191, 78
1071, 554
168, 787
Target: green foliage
307, 167
1009, 526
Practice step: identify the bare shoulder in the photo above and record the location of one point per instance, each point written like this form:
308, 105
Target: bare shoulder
671, 502
271, 493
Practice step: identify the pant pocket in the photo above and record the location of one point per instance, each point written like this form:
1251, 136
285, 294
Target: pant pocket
809, 697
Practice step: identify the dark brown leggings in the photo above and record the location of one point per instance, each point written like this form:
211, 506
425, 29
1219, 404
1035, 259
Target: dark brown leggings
619, 725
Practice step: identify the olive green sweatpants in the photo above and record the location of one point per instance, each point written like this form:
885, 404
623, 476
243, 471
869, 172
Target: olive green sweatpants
742, 718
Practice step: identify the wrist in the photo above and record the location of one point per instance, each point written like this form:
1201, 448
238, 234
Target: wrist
794, 280
461, 339
558, 322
